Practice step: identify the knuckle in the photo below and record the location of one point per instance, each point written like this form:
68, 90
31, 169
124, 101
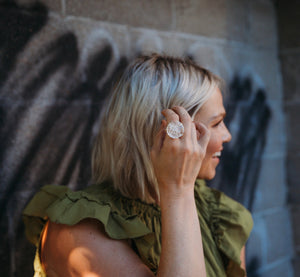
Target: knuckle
173, 117
181, 111
173, 148
187, 150
200, 152
196, 154
169, 114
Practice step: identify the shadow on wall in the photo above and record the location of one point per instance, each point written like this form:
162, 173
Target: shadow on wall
48, 116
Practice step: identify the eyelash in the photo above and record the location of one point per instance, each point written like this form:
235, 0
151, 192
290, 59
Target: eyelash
217, 124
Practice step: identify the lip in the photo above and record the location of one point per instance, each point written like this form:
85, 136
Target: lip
215, 161
218, 157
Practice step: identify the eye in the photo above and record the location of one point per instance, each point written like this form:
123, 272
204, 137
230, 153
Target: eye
218, 123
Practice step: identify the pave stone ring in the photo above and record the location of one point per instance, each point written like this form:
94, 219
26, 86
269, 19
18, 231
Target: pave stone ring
175, 129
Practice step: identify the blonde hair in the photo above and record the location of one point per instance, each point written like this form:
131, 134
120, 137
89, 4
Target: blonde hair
132, 116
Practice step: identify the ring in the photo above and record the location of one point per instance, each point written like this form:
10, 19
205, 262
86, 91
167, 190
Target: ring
175, 129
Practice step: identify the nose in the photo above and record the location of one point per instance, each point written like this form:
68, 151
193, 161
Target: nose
227, 135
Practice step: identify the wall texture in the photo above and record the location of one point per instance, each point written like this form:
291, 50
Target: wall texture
58, 59
289, 50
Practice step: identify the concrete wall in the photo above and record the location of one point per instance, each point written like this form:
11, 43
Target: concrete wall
58, 60
288, 27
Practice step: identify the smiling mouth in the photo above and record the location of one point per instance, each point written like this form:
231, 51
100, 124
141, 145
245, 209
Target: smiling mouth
217, 155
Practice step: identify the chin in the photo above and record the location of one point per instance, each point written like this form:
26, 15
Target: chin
207, 176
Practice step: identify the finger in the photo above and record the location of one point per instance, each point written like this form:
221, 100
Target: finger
159, 137
170, 115
186, 120
195, 134
184, 116
204, 134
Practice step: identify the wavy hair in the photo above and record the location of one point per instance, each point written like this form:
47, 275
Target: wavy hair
132, 116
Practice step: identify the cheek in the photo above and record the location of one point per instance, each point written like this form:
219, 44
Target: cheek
209, 164
214, 144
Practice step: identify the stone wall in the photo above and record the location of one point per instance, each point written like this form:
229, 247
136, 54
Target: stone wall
58, 61
288, 27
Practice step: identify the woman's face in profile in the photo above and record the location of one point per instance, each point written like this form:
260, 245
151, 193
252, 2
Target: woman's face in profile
212, 114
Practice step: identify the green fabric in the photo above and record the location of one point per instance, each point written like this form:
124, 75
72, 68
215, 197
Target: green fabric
225, 224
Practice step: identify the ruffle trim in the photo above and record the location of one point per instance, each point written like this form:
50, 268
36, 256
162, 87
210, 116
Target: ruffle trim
230, 224
122, 218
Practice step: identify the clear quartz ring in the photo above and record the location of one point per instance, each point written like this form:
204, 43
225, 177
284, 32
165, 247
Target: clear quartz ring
175, 129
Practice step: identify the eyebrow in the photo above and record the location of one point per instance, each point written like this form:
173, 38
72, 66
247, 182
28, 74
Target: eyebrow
223, 114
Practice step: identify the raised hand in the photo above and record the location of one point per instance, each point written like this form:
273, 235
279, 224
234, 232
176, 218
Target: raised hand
177, 162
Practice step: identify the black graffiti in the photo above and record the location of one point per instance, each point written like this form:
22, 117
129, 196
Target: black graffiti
18, 25
58, 149
65, 128
241, 160
238, 172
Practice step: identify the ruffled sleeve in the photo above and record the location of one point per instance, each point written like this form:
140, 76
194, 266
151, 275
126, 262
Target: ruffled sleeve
61, 205
226, 223
121, 217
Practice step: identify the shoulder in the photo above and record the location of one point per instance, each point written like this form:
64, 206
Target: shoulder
85, 248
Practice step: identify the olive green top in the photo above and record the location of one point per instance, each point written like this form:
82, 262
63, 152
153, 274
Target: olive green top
225, 224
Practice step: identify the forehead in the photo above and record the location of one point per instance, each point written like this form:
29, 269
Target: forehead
212, 108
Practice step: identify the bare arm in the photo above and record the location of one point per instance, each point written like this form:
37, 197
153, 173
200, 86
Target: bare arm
243, 259
85, 250
182, 251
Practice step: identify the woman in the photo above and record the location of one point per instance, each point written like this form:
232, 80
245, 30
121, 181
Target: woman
149, 211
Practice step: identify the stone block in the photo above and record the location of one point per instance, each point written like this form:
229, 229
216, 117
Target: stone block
218, 58
94, 36
103, 48
145, 41
279, 235
221, 19
293, 130
263, 28
290, 64
271, 191
288, 14
170, 43
148, 14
